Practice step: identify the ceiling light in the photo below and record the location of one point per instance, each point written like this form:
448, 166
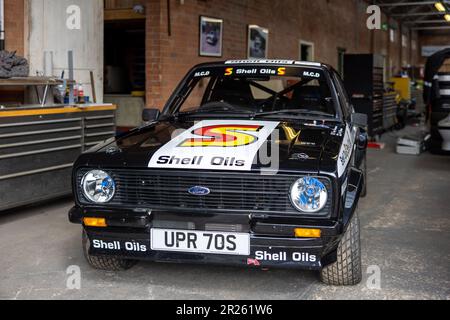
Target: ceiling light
447, 17
440, 6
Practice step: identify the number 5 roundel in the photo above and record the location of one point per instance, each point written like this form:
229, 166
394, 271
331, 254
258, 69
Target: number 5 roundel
223, 136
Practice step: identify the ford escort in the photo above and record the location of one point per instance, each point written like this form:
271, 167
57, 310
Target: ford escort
251, 162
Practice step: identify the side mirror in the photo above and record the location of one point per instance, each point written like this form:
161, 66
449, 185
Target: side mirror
149, 115
362, 140
359, 119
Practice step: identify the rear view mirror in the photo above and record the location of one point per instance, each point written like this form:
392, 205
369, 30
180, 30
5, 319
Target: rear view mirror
149, 115
359, 120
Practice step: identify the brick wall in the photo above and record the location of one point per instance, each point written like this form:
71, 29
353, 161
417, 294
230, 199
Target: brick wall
329, 24
14, 26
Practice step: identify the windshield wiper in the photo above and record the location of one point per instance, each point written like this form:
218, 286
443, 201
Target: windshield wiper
294, 112
213, 113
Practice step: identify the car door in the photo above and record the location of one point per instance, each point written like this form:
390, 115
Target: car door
359, 135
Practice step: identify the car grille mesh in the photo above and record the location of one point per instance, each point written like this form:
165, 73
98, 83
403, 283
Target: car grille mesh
237, 192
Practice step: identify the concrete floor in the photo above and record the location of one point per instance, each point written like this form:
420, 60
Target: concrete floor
405, 232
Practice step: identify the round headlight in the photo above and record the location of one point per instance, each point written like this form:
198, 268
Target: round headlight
98, 186
308, 194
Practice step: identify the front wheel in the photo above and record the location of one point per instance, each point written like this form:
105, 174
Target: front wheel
104, 262
346, 271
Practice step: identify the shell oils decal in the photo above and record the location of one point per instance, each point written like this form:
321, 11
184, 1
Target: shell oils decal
346, 150
223, 135
216, 145
281, 71
285, 256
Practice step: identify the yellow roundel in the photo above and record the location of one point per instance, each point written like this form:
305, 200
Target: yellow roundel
222, 136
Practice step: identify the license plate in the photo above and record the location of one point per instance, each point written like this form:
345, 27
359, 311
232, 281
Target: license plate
200, 241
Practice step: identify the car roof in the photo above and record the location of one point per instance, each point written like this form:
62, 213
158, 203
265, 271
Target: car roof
268, 62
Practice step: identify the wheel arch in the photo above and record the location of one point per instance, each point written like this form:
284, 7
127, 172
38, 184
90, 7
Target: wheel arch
352, 195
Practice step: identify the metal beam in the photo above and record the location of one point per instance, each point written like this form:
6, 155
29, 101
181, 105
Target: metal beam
427, 21
431, 28
417, 14
398, 4
384, 7
409, 10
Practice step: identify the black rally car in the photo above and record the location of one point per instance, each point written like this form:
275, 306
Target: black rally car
251, 162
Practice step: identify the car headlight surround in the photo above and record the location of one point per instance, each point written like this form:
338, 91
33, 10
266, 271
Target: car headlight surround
98, 186
308, 194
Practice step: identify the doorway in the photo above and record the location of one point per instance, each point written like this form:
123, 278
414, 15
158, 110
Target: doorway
125, 61
340, 66
306, 51
124, 56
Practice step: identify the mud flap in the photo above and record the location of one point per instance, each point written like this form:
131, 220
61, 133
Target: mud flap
355, 184
354, 188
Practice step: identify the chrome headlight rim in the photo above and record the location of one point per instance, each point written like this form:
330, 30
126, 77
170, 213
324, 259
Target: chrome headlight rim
106, 196
323, 200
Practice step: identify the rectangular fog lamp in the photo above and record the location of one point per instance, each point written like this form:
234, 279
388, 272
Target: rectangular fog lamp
307, 233
95, 222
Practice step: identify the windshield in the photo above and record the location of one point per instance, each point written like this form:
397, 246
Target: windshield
256, 90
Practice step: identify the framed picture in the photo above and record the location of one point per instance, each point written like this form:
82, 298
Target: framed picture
258, 42
211, 34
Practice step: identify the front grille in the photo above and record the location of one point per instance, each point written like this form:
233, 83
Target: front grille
168, 190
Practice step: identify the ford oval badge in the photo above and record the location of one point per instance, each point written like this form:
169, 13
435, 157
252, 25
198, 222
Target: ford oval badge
199, 191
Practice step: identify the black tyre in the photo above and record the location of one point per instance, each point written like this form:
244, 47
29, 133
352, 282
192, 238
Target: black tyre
104, 262
364, 170
346, 271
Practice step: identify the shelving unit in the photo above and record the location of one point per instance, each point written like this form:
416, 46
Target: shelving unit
389, 110
363, 77
417, 96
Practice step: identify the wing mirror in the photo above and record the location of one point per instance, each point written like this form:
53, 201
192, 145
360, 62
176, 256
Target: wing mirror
359, 120
149, 115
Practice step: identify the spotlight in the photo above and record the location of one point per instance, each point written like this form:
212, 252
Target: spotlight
440, 6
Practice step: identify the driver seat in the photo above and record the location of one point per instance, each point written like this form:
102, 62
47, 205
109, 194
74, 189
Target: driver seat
308, 98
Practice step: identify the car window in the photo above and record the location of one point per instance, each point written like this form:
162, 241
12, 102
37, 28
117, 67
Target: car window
273, 84
249, 91
195, 95
343, 97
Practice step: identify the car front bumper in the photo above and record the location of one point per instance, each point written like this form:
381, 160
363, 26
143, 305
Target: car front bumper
272, 241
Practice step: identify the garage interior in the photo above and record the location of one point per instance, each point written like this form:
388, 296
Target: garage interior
134, 56
124, 61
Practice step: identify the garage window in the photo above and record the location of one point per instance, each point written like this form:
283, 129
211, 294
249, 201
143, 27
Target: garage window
306, 51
